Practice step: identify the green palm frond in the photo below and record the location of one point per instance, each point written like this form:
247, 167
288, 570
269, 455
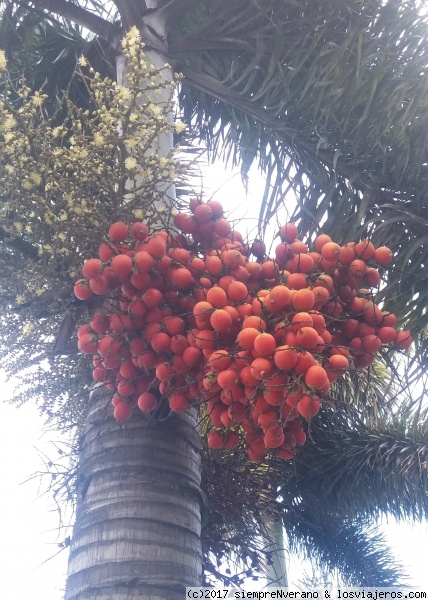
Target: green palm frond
349, 469
358, 554
46, 51
342, 480
321, 78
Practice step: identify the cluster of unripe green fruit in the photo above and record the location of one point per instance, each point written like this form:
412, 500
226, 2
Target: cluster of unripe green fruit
198, 316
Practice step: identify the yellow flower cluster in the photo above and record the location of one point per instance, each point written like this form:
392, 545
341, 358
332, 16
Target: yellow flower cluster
3, 63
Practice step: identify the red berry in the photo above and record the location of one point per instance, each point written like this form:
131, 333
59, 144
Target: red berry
214, 440
92, 268
147, 402
82, 290
316, 377
288, 232
178, 402
264, 344
121, 266
139, 231
118, 231
122, 411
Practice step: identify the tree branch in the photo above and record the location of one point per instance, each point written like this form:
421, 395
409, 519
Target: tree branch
80, 16
19, 244
130, 12
175, 9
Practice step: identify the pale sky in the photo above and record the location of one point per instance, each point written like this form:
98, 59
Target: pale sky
29, 519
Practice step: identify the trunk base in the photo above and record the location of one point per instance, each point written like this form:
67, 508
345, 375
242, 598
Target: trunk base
138, 513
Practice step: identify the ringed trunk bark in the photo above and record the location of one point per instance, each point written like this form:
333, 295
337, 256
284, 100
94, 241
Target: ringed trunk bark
138, 513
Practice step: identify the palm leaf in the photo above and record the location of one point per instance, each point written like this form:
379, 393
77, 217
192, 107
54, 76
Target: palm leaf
46, 52
343, 479
356, 553
359, 471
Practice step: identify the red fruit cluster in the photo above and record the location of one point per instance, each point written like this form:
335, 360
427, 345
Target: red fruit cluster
190, 317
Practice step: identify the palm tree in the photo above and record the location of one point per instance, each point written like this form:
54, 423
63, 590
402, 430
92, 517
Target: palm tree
315, 94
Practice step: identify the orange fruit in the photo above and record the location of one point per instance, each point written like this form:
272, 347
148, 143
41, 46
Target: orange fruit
370, 343
246, 337
364, 250
403, 339
346, 255
214, 440
357, 268
308, 406
307, 338
261, 368
106, 252
82, 291
152, 298
139, 231
321, 241
121, 266
302, 319
217, 297
232, 258
221, 320
383, 255
192, 356
178, 402
288, 232
285, 357
387, 334
372, 276
303, 299
227, 379
296, 281
331, 251
92, 268
269, 269
213, 265
203, 213
305, 360
339, 363
156, 246
237, 291
299, 247
301, 263
182, 278
222, 227
279, 297
264, 344
316, 377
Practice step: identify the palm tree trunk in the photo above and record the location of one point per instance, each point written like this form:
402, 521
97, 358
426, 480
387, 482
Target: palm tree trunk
138, 517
